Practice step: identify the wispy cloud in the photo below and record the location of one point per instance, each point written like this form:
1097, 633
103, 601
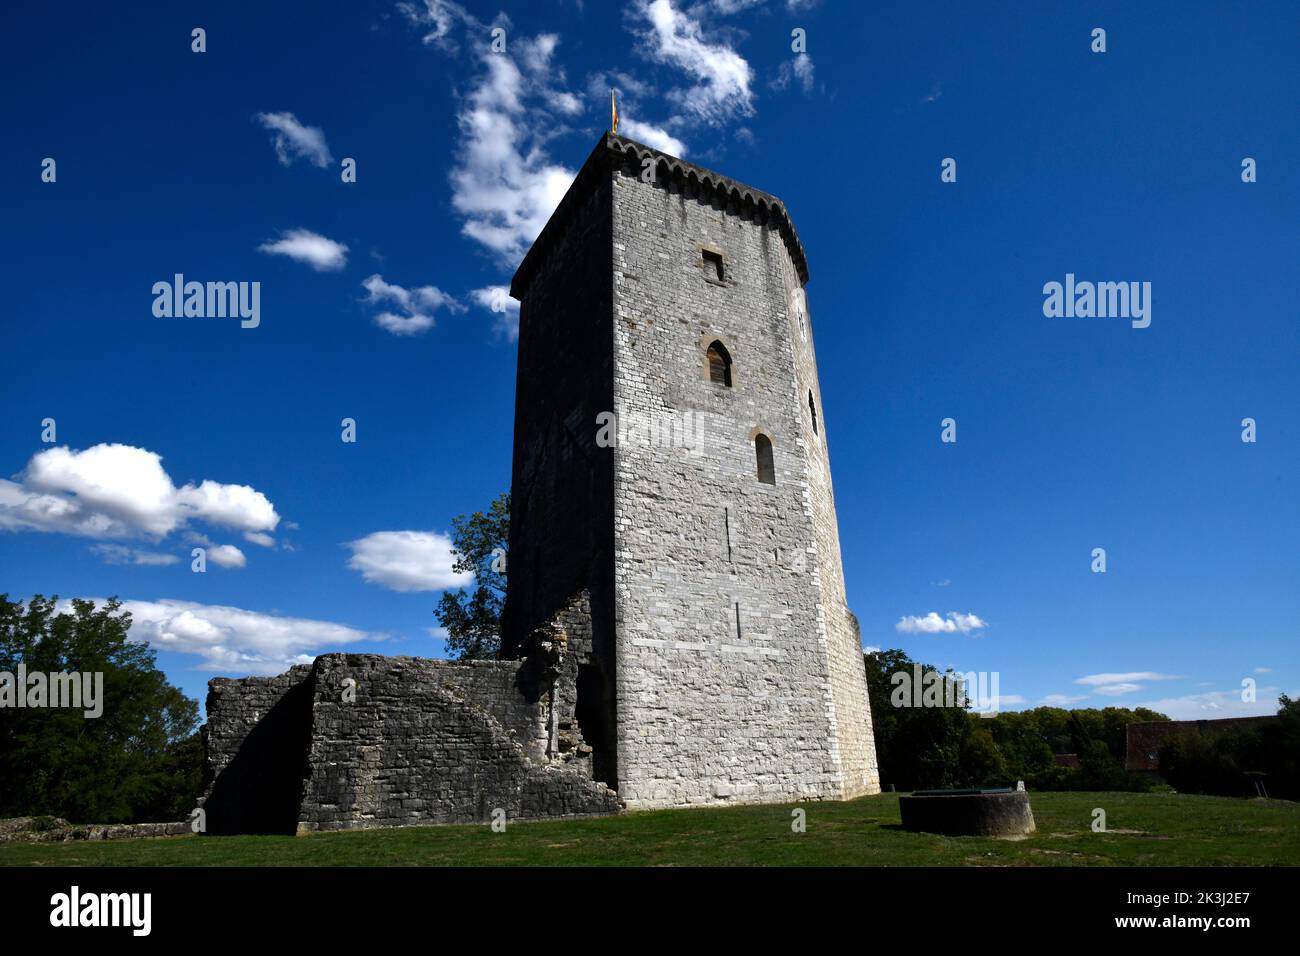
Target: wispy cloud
293, 140
442, 20
1215, 704
310, 248
723, 79
121, 554
652, 135
504, 186
415, 307
1127, 682
798, 69
496, 299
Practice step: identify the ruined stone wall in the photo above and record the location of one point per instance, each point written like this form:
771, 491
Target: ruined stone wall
729, 652
424, 742
363, 740
255, 746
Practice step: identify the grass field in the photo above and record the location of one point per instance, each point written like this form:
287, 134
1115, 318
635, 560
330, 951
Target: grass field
1158, 829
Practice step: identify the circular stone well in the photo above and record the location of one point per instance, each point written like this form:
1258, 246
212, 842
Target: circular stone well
1002, 812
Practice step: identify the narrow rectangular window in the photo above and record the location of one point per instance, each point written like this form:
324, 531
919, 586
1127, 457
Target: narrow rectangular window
726, 524
713, 264
737, 620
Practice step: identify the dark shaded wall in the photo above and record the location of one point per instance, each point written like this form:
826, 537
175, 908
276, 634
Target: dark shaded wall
256, 742
562, 507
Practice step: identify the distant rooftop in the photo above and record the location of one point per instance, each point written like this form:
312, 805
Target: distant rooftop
1143, 739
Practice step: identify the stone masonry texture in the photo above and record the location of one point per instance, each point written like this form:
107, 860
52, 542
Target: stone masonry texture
364, 740
675, 630
730, 664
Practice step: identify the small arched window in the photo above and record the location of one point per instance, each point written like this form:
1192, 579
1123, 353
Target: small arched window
812, 410
719, 364
766, 467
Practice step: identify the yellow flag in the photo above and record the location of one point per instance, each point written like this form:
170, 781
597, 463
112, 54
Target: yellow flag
613, 113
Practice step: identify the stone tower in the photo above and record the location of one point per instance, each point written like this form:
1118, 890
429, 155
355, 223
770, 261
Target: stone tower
686, 580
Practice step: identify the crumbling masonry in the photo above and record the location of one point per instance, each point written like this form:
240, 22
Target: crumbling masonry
675, 630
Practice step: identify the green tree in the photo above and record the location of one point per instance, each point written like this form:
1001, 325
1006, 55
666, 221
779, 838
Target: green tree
472, 619
982, 762
141, 760
1219, 764
917, 748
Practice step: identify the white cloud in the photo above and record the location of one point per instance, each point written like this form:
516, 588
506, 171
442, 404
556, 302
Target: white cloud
932, 623
120, 554
293, 140
1116, 684
1263, 670
407, 561
310, 248
232, 506
120, 491
496, 299
233, 640
423, 298
651, 135
799, 68
728, 7
403, 324
258, 537
416, 306
503, 185
227, 556
723, 78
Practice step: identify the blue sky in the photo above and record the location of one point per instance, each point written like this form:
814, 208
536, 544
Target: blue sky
926, 297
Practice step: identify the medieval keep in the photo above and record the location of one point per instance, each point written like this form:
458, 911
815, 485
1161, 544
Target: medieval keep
675, 629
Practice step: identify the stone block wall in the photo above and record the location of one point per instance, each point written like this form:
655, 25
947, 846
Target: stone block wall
736, 668
255, 745
364, 740
562, 501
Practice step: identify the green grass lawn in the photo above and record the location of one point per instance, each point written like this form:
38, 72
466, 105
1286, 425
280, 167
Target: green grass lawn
1156, 829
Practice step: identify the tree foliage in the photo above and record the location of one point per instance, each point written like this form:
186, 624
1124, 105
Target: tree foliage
140, 761
935, 747
472, 618
1218, 765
